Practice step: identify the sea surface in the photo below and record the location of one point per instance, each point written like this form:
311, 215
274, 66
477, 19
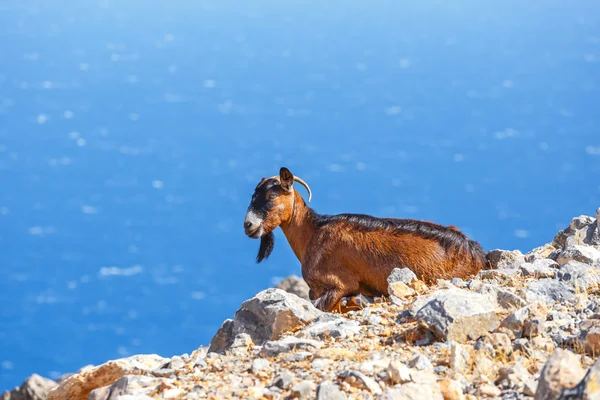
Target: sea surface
132, 134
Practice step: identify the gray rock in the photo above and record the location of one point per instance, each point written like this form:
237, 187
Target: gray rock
544, 252
585, 254
330, 325
358, 379
35, 387
516, 321
288, 344
582, 231
299, 356
138, 385
581, 276
561, 370
501, 273
589, 336
523, 346
539, 268
421, 363
456, 314
459, 283
398, 372
503, 297
264, 317
404, 275
413, 391
534, 327
303, 389
329, 391
259, 364
587, 389
549, 291
460, 358
500, 259
295, 285
283, 381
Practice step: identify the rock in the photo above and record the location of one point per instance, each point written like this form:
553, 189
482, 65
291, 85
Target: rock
79, 385
414, 391
288, 344
549, 291
241, 345
400, 290
486, 390
581, 276
283, 381
562, 370
259, 364
585, 254
460, 357
500, 259
264, 317
420, 363
534, 327
398, 372
543, 252
590, 336
502, 273
456, 314
503, 297
581, 231
588, 388
295, 285
516, 321
451, 389
330, 325
524, 346
129, 385
303, 389
299, 356
360, 380
404, 275
35, 387
539, 268
329, 391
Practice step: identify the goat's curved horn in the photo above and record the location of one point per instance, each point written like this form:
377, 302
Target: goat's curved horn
300, 181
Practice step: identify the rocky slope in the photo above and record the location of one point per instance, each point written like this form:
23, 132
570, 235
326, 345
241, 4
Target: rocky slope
528, 328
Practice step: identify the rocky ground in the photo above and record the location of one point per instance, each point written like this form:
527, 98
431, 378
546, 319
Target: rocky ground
527, 328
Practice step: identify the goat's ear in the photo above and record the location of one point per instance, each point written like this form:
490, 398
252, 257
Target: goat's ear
286, 178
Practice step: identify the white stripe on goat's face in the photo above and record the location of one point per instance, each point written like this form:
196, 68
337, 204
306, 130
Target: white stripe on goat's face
253, 224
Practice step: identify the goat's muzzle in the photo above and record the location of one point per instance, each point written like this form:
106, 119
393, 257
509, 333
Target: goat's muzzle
253, 226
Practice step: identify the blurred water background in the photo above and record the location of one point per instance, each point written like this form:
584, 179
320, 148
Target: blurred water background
132, 134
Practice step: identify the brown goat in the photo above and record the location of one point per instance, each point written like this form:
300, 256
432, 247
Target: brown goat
352, 254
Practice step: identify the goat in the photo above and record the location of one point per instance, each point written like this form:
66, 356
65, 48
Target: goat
353, 254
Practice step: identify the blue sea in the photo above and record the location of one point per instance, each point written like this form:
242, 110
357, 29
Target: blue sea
132, 135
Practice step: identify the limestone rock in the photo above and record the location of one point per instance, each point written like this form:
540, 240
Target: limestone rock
451, 389
581, 276
590, 336
329, 391
35, 387
330, 325
501, 259
542, 252
539, 268
404, 275
588, 388
585, 254
79, 385
288, 344
549, 291
295, 285
414, 391
503, 297
456, 314
562, 370
582, 230
264, 317
358, 379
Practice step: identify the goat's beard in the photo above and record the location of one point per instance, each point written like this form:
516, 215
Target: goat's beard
267, 242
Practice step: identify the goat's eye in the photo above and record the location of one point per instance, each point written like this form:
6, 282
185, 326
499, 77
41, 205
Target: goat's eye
271, 196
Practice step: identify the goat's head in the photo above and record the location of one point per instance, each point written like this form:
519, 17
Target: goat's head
272, 204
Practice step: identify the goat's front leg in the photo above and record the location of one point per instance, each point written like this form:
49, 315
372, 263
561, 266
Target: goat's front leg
330, 300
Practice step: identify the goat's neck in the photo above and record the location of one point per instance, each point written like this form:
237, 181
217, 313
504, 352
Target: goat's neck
301, 227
